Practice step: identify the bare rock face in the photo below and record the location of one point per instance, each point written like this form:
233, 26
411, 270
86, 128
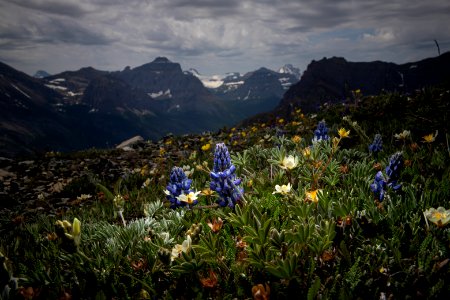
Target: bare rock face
128, 144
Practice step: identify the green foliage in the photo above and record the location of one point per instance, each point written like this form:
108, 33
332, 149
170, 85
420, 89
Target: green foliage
325, 238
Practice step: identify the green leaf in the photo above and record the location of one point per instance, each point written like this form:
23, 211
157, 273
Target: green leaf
314, 289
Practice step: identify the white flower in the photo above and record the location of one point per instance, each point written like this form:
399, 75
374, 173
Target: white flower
188, 171
283, 190
402, 135
167, 192
188, 198
289, 162
84, 197
184, 247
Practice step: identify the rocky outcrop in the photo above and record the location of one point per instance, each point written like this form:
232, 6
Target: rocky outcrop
333, 79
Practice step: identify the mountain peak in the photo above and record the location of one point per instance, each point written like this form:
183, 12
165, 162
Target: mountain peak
290, 69
161, 59
41, 74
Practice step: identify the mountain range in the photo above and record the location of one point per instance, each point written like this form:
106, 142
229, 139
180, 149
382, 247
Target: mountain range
93, 108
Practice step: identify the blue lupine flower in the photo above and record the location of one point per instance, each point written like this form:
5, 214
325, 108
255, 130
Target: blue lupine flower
223, 179
321, 133
378, 186
393, 170
377, 145
178, 184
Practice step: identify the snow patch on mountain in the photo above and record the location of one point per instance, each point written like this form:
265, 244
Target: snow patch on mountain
161, 95
290, 69
25, 94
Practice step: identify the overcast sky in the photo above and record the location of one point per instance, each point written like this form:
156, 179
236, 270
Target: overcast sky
217, 36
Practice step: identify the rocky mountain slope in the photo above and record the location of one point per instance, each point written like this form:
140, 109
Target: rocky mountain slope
334, 79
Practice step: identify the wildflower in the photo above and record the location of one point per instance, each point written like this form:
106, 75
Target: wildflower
223, 179
377, 144
306, 152
194, 232
240, 243
190, 198
254, 129
188, 170
281, 121
69, 232
184, 247
378, 186
250, 183
207, 192
289, 163
211, 281
439, 216
178, 184
118, 201
403, 135
146, 183
261, 292
343, 133
321, 133
283, 190
215, 225
393, 170
84, 197
430, 138
296, 139
206, 147
76, 227
312, 196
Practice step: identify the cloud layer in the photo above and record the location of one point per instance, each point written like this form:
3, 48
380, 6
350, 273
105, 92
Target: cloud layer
217, 36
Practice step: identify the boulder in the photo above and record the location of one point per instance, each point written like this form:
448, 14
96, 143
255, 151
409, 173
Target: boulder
128, 144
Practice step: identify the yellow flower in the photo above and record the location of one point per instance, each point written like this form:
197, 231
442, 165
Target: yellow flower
206, 147
343, 133
254, 129
188, 198
296, 139
243, 134
439, 216
283, 190
430, 138
263, 125
313, 195
306, 152
281, 121
289, 163
76, 227
250, 183
207, 192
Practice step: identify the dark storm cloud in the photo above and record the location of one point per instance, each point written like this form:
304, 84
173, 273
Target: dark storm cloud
66, 8
247, 33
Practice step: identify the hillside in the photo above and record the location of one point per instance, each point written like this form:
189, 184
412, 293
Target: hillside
279, 217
